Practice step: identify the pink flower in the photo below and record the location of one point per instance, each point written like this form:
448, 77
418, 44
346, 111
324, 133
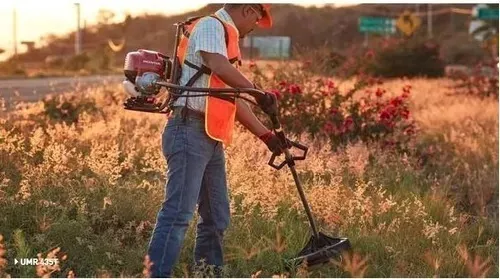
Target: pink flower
388, 143
410, 131
328, 127
331, 128
294, 89
385, 115
331, 84
349, 124
379, 92
396, 101
405, 113
369, 54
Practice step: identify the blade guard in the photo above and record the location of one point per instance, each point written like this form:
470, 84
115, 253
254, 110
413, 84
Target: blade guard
320, 250
291, 159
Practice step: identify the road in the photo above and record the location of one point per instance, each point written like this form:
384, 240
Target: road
29, 90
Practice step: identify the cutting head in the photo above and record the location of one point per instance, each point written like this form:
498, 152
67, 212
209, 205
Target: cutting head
320, 250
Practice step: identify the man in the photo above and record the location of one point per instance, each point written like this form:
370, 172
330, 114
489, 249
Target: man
193, 138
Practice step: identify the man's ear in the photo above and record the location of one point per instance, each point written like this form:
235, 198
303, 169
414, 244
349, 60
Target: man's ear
246, 11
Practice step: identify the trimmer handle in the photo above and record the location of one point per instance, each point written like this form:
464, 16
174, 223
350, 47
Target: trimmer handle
289, 159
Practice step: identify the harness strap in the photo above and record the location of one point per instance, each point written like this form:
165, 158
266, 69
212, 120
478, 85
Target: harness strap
192, 80
187, 34
205, 69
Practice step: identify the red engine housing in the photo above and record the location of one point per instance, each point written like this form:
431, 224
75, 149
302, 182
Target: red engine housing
141, 61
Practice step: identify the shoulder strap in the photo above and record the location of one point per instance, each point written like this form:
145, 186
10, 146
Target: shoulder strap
190, 21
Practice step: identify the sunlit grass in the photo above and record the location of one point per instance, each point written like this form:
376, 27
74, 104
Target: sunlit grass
91, 187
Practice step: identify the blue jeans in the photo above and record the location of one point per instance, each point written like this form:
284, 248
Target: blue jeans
196, 174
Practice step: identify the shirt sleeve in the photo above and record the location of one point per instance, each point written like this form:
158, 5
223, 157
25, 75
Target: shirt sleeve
208, 36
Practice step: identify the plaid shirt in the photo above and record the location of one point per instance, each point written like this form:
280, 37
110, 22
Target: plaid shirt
208, 36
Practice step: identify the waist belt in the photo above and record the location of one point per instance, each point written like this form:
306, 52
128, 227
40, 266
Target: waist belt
185, 112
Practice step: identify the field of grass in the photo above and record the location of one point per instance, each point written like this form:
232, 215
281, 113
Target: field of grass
90, 187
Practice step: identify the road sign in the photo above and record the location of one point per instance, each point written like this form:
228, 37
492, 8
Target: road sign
269, 46
477, 24
382, 25
487, 14
408, 23
473, 26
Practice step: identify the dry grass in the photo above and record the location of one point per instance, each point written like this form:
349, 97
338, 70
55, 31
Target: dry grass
108, 169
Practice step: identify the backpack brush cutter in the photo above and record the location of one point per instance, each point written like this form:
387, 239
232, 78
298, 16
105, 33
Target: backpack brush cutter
147, 72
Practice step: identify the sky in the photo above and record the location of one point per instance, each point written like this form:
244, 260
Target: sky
37, 18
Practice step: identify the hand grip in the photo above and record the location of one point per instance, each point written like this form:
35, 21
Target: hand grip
288, 158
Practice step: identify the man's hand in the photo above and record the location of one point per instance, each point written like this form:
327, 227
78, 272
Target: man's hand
268, 103
274, 143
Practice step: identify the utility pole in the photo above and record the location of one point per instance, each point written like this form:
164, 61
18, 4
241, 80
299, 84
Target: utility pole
452, 21
281, 48
429, 21
14, 31
417, 14
78, 41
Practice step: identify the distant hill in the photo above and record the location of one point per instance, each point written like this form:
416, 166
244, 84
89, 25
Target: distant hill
307, 27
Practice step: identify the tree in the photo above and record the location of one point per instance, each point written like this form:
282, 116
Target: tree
104, 16
48, 39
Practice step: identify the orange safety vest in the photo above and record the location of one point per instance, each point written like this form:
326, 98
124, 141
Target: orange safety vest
220, 112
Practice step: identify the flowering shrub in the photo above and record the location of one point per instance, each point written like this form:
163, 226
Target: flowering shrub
93, 188
482, 81
318, 107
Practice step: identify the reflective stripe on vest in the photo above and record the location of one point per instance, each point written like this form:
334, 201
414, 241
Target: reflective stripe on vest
220, 113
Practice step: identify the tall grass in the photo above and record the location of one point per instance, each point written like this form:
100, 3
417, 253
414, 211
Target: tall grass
91, 186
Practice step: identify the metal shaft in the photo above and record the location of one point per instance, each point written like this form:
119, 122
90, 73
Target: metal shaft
291, 165
429, 21
174, 55
78, 38
173, 73
14, 30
